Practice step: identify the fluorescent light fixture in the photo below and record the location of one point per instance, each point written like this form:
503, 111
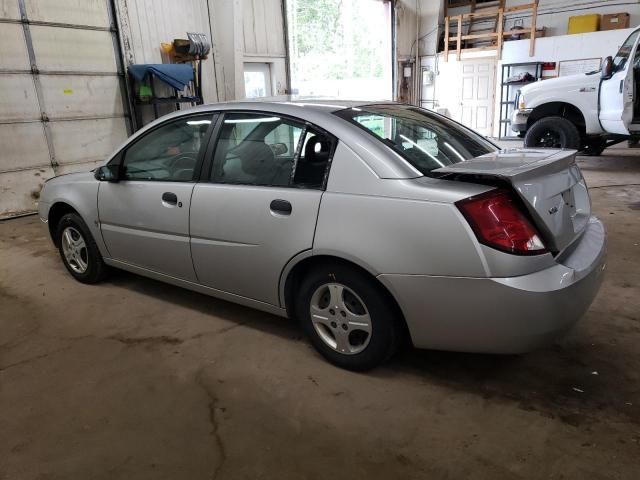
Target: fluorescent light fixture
198, 122
253, 120
423, 150
456, 152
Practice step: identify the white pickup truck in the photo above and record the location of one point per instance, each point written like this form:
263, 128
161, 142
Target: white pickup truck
587, 112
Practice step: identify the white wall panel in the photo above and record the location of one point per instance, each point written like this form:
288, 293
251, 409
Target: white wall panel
81, 95
86, 140
79, 12
152, 22
9, 9
23, 146
18, 99
13, 50
66, 49
263, 27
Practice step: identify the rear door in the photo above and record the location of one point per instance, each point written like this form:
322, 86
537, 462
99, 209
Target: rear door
145, 217
618, 92
258, 206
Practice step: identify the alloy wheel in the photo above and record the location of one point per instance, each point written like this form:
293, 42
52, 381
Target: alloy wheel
75, 250
340, 318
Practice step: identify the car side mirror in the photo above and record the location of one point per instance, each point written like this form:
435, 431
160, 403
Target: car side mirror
279, 148
607, 68
108, 173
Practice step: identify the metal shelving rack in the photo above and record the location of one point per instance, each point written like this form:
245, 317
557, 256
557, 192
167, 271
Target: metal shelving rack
506, 102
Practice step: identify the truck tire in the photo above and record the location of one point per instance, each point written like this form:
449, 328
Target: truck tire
553, 132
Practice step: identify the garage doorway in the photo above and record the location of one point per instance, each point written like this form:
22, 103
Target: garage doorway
477, 91
340, 48
62, 95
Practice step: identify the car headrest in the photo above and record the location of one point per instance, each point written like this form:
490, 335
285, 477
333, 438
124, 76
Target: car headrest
316, 150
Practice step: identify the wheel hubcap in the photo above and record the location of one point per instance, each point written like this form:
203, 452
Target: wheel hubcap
340, 318
550, 140
75, 250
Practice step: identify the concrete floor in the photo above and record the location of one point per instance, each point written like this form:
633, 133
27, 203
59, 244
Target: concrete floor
137, 379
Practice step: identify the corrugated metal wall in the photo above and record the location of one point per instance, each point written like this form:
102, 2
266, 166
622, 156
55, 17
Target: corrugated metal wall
61, 95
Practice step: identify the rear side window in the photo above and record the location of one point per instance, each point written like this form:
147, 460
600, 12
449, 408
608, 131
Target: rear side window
268, 150
426, 141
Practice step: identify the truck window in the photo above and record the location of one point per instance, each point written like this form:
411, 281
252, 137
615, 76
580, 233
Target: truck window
620, 60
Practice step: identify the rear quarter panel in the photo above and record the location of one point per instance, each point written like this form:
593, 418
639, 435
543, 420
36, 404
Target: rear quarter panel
395, 226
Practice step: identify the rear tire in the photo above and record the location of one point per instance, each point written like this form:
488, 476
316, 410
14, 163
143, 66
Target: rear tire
78, 250
347, 317
553, 132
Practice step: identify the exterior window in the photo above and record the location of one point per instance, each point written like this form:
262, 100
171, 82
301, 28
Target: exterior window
263, 149
168, 153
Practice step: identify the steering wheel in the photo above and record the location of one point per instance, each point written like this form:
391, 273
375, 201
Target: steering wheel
182, 160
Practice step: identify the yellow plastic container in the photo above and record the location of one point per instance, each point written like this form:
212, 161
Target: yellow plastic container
584, 23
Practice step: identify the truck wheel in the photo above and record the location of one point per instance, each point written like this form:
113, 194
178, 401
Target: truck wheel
553, 132
594, 147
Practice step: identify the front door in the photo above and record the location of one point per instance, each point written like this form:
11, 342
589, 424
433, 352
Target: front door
259, 207
144, 218
477, 94
617, 92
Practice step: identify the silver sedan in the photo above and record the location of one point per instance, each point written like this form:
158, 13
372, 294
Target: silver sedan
368, 223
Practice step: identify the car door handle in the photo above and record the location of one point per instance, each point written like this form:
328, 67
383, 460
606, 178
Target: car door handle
170, 198
281, 206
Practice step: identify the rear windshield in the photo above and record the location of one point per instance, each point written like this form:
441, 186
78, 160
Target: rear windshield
426, 140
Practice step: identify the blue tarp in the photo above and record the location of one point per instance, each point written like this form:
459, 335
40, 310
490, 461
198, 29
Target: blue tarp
175, 75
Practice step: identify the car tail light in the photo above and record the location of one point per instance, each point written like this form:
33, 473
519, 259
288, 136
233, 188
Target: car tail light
497, 222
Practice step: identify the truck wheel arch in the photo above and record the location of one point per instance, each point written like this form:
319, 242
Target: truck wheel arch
559, 109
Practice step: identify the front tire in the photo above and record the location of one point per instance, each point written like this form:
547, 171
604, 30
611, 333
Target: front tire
347, 317
78, 250
553, 132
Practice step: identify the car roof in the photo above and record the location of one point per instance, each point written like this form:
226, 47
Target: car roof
321, 104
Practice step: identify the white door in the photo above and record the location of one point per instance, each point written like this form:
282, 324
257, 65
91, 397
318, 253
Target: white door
257, 80
62, 106
616, 93
477, 94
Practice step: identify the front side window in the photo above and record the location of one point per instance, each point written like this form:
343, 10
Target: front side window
425, 140
622, 57
267, 150
168, 153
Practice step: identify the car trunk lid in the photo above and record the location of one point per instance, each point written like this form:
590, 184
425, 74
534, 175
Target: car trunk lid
549, 183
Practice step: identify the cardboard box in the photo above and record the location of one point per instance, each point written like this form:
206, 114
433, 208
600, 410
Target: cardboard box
615, 21
584, 23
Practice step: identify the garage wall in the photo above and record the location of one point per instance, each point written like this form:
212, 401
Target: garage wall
62, 105
248, 31
145, 24
554, 15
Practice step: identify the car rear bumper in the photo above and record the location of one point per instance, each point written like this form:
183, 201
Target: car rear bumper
503, 315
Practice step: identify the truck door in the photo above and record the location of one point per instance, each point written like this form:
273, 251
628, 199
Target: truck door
617, 93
